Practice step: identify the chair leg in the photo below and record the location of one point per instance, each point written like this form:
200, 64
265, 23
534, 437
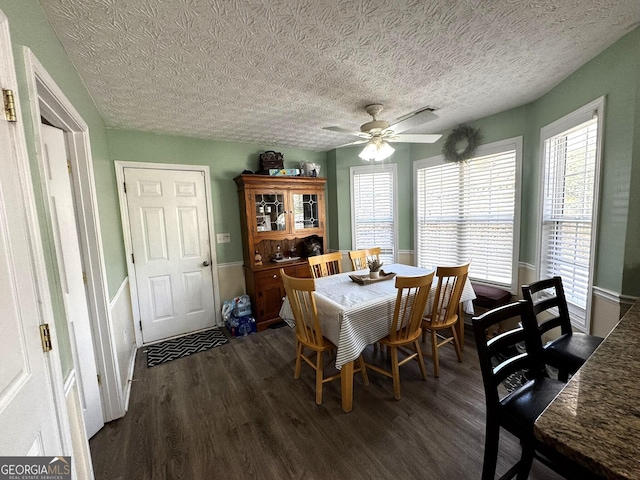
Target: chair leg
363, 370
526, 459
492, 438
296, 372
423, 370
395, 371
319, 377
456, 342
434, 354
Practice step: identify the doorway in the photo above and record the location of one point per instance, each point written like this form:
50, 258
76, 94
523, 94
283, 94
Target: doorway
71, 273
168, 227
48, 101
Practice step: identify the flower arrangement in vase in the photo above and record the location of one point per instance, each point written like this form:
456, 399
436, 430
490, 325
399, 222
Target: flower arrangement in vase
374, 268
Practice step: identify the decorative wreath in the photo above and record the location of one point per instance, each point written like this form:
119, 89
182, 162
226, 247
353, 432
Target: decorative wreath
462, 133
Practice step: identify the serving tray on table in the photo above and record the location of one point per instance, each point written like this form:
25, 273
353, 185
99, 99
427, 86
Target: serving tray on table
366, 280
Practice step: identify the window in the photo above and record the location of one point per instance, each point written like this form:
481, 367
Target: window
470, 211
570, 166
373, 209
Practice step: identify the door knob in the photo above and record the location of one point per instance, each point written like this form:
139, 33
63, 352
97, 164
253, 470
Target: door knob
205, 264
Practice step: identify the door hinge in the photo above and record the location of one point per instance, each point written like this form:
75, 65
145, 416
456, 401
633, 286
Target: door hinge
99, 381
9, 105
69, 165
45, 336
84, 277
140, 323
133, 260
124, 184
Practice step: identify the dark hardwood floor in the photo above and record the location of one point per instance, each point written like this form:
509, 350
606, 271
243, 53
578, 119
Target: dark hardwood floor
235, 412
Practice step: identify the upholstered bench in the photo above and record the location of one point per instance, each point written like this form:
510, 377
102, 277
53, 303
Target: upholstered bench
490, 297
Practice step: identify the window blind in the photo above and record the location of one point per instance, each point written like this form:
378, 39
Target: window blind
568, 198
373, 200
466, 211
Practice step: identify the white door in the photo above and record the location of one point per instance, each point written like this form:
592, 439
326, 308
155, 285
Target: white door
29, 421
171, 248
70, 272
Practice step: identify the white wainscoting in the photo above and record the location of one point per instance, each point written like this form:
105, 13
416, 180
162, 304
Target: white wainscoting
231, 278
124, 339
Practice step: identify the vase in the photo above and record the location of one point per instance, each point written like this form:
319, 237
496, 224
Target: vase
374, 274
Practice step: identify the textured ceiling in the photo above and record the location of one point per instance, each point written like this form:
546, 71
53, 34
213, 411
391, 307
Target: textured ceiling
275, 72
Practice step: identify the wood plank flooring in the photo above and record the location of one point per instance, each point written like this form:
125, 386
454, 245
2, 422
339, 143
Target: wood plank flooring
235, 412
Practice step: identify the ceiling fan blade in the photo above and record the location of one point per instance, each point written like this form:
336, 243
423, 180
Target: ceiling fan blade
413, 121
344, 130
357, 142
415, 138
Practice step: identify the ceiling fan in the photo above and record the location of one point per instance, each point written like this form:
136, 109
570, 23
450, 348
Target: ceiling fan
377, 133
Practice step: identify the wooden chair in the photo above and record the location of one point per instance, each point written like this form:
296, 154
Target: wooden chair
359, 258
300, 292
445, 312
325, 265
571, 349
516, 411
413, 293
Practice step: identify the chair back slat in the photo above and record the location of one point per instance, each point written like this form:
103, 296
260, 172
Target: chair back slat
411, 300
359, 258
301, 295
451, 282
549, 304
495, 364
325, 265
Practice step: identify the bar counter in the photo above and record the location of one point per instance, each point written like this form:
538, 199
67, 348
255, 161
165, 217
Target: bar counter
595, 420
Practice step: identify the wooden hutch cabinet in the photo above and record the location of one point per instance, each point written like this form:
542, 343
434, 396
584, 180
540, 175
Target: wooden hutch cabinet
278, 214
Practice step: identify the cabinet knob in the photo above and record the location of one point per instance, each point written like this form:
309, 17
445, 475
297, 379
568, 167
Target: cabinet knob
275, 276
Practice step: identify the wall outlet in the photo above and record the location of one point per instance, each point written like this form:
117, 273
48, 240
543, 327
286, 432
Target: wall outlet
223, 237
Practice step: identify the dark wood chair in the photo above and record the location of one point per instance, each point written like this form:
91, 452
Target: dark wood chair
571, 349
516, 411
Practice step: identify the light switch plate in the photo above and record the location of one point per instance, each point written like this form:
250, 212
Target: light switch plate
223, 237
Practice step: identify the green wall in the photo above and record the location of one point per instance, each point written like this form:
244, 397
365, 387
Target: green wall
225, 160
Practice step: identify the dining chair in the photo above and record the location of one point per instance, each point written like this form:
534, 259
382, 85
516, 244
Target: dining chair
301, 295
405, 329
516, 410
571, 349
445, 312
325, 265
359, 258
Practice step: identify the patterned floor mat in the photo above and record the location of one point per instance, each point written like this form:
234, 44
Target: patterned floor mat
184, 346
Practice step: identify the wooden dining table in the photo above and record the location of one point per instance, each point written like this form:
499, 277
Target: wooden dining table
595, 419
353, 316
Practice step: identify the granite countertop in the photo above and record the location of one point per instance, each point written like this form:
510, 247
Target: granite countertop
595, 420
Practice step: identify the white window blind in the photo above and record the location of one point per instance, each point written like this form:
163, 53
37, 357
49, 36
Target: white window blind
567, 210
467, 211
373, 209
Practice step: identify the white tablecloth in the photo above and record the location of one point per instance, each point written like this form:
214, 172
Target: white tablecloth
354, 316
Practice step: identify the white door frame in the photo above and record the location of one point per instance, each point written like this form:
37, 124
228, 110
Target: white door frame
126, 231
39, 274
47, 99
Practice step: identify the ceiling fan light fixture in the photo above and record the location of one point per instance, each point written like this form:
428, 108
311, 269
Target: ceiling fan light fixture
376, 150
